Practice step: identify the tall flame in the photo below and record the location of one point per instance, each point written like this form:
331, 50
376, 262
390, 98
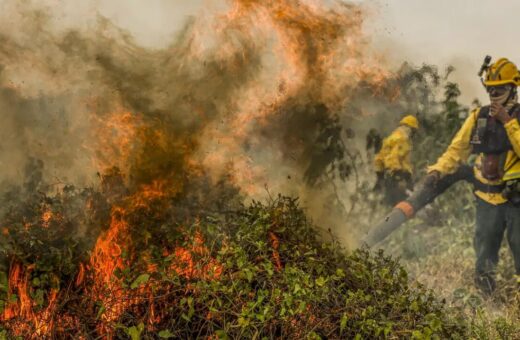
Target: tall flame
20, 308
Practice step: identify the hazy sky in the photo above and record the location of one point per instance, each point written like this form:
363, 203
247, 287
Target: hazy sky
444, 29
459, 32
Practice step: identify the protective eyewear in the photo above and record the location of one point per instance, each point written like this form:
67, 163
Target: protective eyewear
496, 91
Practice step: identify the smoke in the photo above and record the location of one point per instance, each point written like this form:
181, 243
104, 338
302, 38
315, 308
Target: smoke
255, 95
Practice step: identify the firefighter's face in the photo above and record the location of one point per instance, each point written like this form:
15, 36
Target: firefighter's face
498, 91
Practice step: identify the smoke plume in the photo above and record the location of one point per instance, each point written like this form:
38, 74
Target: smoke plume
252, 97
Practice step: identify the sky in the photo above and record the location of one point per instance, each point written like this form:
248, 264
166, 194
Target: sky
442, 32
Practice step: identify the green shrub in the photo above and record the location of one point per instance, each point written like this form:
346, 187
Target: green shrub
271, 277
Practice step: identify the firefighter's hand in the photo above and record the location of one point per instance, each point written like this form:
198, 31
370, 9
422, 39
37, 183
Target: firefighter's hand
432, 178
500, 113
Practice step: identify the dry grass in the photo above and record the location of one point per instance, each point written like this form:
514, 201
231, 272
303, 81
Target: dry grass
441, 257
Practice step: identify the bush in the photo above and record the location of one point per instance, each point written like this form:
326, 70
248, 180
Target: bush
258, 272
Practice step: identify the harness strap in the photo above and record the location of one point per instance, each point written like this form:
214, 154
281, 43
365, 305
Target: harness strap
487, 188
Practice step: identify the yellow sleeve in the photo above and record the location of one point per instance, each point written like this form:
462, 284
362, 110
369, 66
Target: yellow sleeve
459, 149
513, 132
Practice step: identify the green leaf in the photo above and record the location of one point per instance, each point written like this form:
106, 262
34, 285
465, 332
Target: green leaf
100, 312
343, 322
243, 322
38, 297
417, 335
221, 335
191, 310
135, 331
141, 279
249, 275
320, 281
297, 288
13, 298
165, 334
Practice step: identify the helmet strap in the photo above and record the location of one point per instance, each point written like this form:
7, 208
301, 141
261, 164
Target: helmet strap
512, 94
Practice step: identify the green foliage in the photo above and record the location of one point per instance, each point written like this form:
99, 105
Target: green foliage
320, 292
276, 280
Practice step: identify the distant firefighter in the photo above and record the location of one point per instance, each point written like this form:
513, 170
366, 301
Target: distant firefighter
492, 135
393, 162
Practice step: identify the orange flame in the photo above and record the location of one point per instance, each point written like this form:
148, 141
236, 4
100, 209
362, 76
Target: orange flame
185, 265
114, 139
106, 259
46, 218
21, 310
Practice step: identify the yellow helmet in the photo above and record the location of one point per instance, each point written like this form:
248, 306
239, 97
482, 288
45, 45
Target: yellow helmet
502, 72
410, 121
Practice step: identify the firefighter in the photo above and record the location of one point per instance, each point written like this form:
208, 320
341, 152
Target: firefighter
489, 140
393, 162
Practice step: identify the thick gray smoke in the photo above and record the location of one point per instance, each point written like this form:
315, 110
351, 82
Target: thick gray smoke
256, 95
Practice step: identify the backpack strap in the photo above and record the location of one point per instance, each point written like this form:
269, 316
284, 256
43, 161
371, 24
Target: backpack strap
484, 112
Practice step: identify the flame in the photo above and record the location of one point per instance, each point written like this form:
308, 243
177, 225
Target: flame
114, 139
21, 309
306, 52
106, 259
310, 52
154, 191
275, 243
17, 285
81, 275
46, 218
184, 263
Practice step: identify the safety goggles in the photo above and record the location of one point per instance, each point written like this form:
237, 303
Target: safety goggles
497, 91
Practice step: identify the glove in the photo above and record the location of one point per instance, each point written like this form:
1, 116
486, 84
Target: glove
432, 178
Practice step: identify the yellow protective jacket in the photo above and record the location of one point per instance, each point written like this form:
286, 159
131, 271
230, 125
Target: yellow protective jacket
459, 151
395, 154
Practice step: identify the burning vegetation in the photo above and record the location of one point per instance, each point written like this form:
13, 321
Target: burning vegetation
257, 271
164, 147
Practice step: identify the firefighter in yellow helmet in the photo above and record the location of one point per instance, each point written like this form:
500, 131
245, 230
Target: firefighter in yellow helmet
489, 141
393, 162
